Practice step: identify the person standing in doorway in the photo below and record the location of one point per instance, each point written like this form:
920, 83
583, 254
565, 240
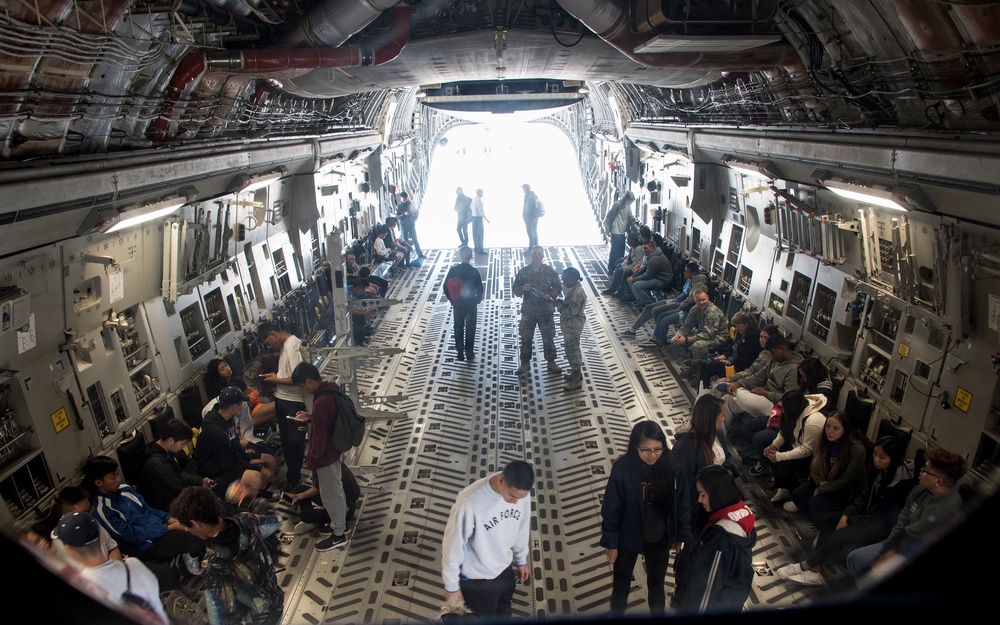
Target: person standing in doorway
572, 318
488, 528
289, 399
478, 216
463, 209
616, 224
407, 214
538, 287
463, 286
530, 215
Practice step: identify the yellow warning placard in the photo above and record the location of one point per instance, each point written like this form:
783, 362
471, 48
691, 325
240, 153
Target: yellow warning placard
60, 420
962, 399
904, 349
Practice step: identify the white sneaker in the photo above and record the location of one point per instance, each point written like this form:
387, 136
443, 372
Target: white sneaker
780, 494
807, 578
788, 570
790, 506
191, 563
304, 528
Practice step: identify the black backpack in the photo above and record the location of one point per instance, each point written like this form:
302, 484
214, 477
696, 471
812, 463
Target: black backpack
347, 429
130, 598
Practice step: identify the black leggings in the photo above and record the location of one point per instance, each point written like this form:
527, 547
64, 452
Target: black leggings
657, 559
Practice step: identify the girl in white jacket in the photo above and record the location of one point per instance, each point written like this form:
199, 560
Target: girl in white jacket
799, 435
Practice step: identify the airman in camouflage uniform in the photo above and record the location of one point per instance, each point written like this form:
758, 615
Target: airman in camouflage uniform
704, 331
538, 286
571, 320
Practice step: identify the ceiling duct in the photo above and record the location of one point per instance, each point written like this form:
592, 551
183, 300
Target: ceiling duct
193, 67
609, 20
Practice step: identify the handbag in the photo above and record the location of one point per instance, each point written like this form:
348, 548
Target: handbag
774, 419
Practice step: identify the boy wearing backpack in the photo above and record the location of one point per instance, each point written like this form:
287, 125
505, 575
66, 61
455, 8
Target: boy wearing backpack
321, 454
463, 286
130, 583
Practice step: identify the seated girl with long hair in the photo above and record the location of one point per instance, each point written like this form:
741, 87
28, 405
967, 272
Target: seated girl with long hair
868, 519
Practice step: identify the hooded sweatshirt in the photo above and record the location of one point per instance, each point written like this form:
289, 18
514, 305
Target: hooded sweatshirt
807, 431
716, 570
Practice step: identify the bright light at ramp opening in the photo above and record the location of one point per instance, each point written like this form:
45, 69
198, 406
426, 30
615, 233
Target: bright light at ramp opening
498, 158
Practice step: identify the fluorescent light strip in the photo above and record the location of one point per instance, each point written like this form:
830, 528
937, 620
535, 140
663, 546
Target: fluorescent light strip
259, 182
867, 198
142, 214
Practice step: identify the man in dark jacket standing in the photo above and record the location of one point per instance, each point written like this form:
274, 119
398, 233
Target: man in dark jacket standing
463, 286
407, 215
321, 457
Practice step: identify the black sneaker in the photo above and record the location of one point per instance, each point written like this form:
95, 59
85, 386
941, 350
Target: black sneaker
325, 530
757, 470
331, 542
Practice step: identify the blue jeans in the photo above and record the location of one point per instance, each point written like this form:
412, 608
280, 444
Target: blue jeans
641, 289
664, 321
617, 252
861, 559
755, 429
531, 225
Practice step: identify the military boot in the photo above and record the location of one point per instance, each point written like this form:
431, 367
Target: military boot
575, 381
553, 367
523, 369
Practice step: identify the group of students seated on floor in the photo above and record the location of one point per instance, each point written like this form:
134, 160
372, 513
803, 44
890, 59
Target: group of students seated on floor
855, 493
105, 517
366, 285
384, 246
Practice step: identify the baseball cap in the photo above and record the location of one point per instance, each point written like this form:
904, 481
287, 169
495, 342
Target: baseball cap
78, 529
526, 186
231, 395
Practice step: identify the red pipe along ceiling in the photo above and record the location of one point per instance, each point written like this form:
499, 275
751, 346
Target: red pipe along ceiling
194, 65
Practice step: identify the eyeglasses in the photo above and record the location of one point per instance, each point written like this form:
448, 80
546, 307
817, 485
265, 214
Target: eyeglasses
924, 470
656, 452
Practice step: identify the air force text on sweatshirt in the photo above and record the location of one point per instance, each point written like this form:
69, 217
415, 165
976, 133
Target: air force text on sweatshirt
484, 533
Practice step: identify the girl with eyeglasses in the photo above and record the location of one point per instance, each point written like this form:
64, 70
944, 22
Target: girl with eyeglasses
715, 571
646, 511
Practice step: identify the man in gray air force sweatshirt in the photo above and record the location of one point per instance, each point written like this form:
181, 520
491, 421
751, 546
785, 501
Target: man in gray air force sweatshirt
488, 529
